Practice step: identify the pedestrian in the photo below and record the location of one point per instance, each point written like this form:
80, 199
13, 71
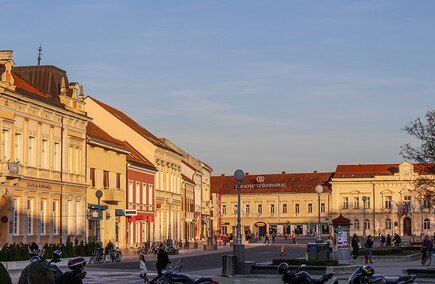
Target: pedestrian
397, 240
356, 245
329, 244
382, 240
285, 236
273, 237
294, 237
379, 232
143, 269
162, 262
426, 247
266, 239
388, 241
368, 249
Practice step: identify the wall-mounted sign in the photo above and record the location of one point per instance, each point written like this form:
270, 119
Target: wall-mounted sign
260, 224
263, 185
130, 212
4, 219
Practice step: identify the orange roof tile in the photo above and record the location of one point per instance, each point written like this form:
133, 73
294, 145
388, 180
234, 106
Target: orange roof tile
135, 126
365, 171
273, 183
24, 85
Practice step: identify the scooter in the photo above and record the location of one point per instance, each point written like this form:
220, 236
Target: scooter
366, 275
172, 276
303, 277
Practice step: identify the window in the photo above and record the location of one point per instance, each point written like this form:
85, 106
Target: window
71, 159
260, 209
297, 208
388, 224
54, 222
322, 207
31, 152
30, 216
272, 208
77, 160
367, 203
284, 208
6, 144
151, 195
44, 157
137, 191
356, 203
130, 192
356, 224
16, 219
92, 176
19, 147
426, 224
42, 217
310, 208
426, 202
247, 209
118, 181
56, 156
367, 223
345, 202
388, 202
234, 208
224, 209
106, 180
144, 194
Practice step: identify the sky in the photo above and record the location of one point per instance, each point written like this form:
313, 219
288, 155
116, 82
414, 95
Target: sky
264, 86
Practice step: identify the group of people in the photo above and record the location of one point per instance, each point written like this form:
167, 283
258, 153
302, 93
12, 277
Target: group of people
368, 245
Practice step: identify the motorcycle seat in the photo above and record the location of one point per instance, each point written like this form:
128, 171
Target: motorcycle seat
325, 277
403, 279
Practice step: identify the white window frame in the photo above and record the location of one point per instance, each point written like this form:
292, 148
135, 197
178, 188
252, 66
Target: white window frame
56, 156
45, 154
6, 144
260, 209
356, 203
322, 207
310, 208
284, 208
30, 202
345, 202
356, 224
388, 201
42, 217
272, 208
137, 191
32, 151
224, 209
297, 208
18, 147
54, 213
16, 217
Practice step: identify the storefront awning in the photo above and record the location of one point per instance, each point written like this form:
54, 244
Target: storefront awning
141, 217
119, 212
95, 207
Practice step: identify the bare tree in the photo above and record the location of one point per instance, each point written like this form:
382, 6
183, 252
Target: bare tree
424, 154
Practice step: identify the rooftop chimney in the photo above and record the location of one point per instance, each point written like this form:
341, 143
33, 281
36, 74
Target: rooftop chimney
246, 174
315, 172
283, 172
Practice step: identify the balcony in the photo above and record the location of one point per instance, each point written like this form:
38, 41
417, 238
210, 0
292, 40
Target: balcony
113, 195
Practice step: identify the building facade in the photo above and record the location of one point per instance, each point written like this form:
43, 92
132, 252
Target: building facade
43, 161
273, 203
107, 160
391, 205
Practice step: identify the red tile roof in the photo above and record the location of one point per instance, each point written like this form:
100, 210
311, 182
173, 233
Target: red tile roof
137, 157
273, 183
97, 133
365, 171
24, 85
135, 126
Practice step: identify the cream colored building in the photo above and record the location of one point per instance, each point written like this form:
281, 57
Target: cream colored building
273, 203
107, 174
42, 155
391, 206
168, 179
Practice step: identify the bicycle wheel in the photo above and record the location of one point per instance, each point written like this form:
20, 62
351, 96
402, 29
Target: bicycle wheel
118, 257
107, 258
92, 258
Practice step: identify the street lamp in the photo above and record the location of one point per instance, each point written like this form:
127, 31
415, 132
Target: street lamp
319, 190
169, 242
210, 243
364, 199
238, 248
98, 194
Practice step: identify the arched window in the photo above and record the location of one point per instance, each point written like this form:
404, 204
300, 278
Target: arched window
388, 224
356, 224
426, 224
367, 224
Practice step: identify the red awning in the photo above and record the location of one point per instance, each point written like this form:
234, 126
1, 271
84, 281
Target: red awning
141, 217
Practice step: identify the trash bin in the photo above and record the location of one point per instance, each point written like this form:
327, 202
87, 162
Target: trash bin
322, 251
229, 265
311, 251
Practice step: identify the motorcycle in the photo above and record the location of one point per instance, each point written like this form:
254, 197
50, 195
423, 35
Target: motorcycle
76, 265
303, 277
366, 275
172, 276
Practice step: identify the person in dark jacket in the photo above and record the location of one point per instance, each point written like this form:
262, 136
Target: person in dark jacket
162, 262
388, 243
355, 246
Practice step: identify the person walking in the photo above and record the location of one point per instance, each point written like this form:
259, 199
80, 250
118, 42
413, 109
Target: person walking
355, 246
143, 269
294, 237
368, 249
162, 262
266, 239
382, 240
388, 241
426, 247
397, 240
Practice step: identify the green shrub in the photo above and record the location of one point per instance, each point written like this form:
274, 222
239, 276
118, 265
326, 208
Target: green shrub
5, 278
36, 273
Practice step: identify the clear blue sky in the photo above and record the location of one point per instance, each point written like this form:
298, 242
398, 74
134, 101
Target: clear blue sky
265, 86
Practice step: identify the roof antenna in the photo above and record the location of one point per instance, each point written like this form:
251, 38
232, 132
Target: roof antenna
39, 55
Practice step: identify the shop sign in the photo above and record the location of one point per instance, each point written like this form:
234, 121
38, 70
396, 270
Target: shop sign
130, 212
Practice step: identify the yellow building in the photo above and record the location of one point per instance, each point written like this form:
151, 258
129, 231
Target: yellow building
42, 156
390, 204
107, 174
273, 203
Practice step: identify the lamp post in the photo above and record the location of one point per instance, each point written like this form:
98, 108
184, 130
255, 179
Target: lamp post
319, 190
98, 194
169, 242
238, 248
210, 243
364, 199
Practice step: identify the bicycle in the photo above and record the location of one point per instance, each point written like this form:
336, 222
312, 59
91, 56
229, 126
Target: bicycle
427, 257
113, 254
97, 256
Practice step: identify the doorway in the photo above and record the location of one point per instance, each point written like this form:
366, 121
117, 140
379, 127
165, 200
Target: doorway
407, 226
